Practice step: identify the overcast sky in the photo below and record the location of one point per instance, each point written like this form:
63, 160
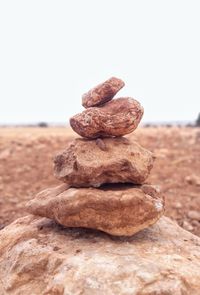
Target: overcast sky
51, 52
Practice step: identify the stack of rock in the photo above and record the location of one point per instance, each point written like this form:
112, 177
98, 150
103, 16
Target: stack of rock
103, 172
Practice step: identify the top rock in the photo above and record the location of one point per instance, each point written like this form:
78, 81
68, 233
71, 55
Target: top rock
102, 93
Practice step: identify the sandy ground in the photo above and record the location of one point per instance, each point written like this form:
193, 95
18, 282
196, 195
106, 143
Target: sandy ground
26, 167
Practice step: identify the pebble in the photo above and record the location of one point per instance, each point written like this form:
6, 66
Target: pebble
177, 205
5, 154
193, 180
187, 225
192, 214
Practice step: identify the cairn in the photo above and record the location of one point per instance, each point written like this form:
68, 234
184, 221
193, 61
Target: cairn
103, 172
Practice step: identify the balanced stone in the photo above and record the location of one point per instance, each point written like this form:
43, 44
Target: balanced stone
115, 118
102, 93
120, 210
110, 160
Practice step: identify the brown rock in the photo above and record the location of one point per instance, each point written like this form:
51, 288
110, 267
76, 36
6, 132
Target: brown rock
177, 205
102, 93
5, 154
187, 225
193, 180
193, 214
111, 160
39, 257
115, 118
118, 210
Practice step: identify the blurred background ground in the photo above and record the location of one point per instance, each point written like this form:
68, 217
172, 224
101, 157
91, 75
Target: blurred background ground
26, 167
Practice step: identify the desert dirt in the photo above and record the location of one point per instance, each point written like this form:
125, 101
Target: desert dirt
26, 167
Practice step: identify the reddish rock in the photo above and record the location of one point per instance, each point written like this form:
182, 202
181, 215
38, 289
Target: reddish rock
193, 214
102, 93
110, 160
115, 118
193, 180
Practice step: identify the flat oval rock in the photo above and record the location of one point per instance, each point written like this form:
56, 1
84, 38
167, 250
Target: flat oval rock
102, 93
115, 118
120, 210
87, 163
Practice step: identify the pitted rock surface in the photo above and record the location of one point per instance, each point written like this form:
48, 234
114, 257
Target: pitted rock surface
120, 210
102, 93
118, 117
40, 257
110, 160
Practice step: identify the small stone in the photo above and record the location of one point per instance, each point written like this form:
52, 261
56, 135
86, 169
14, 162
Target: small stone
177, 205
115, 118
95, 162
120, 210
101, 144
195, 223
187, 225
5, 154
102, 93
193, 180
192, 214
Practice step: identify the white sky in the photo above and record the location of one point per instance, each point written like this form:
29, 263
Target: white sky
51, 52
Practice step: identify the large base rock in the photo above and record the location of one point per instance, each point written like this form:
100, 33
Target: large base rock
120, 210
95, 162
38, 257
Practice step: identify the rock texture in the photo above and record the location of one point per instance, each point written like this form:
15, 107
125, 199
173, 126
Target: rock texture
110, 160
38, 257
102, 93
118, 210
115, 118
